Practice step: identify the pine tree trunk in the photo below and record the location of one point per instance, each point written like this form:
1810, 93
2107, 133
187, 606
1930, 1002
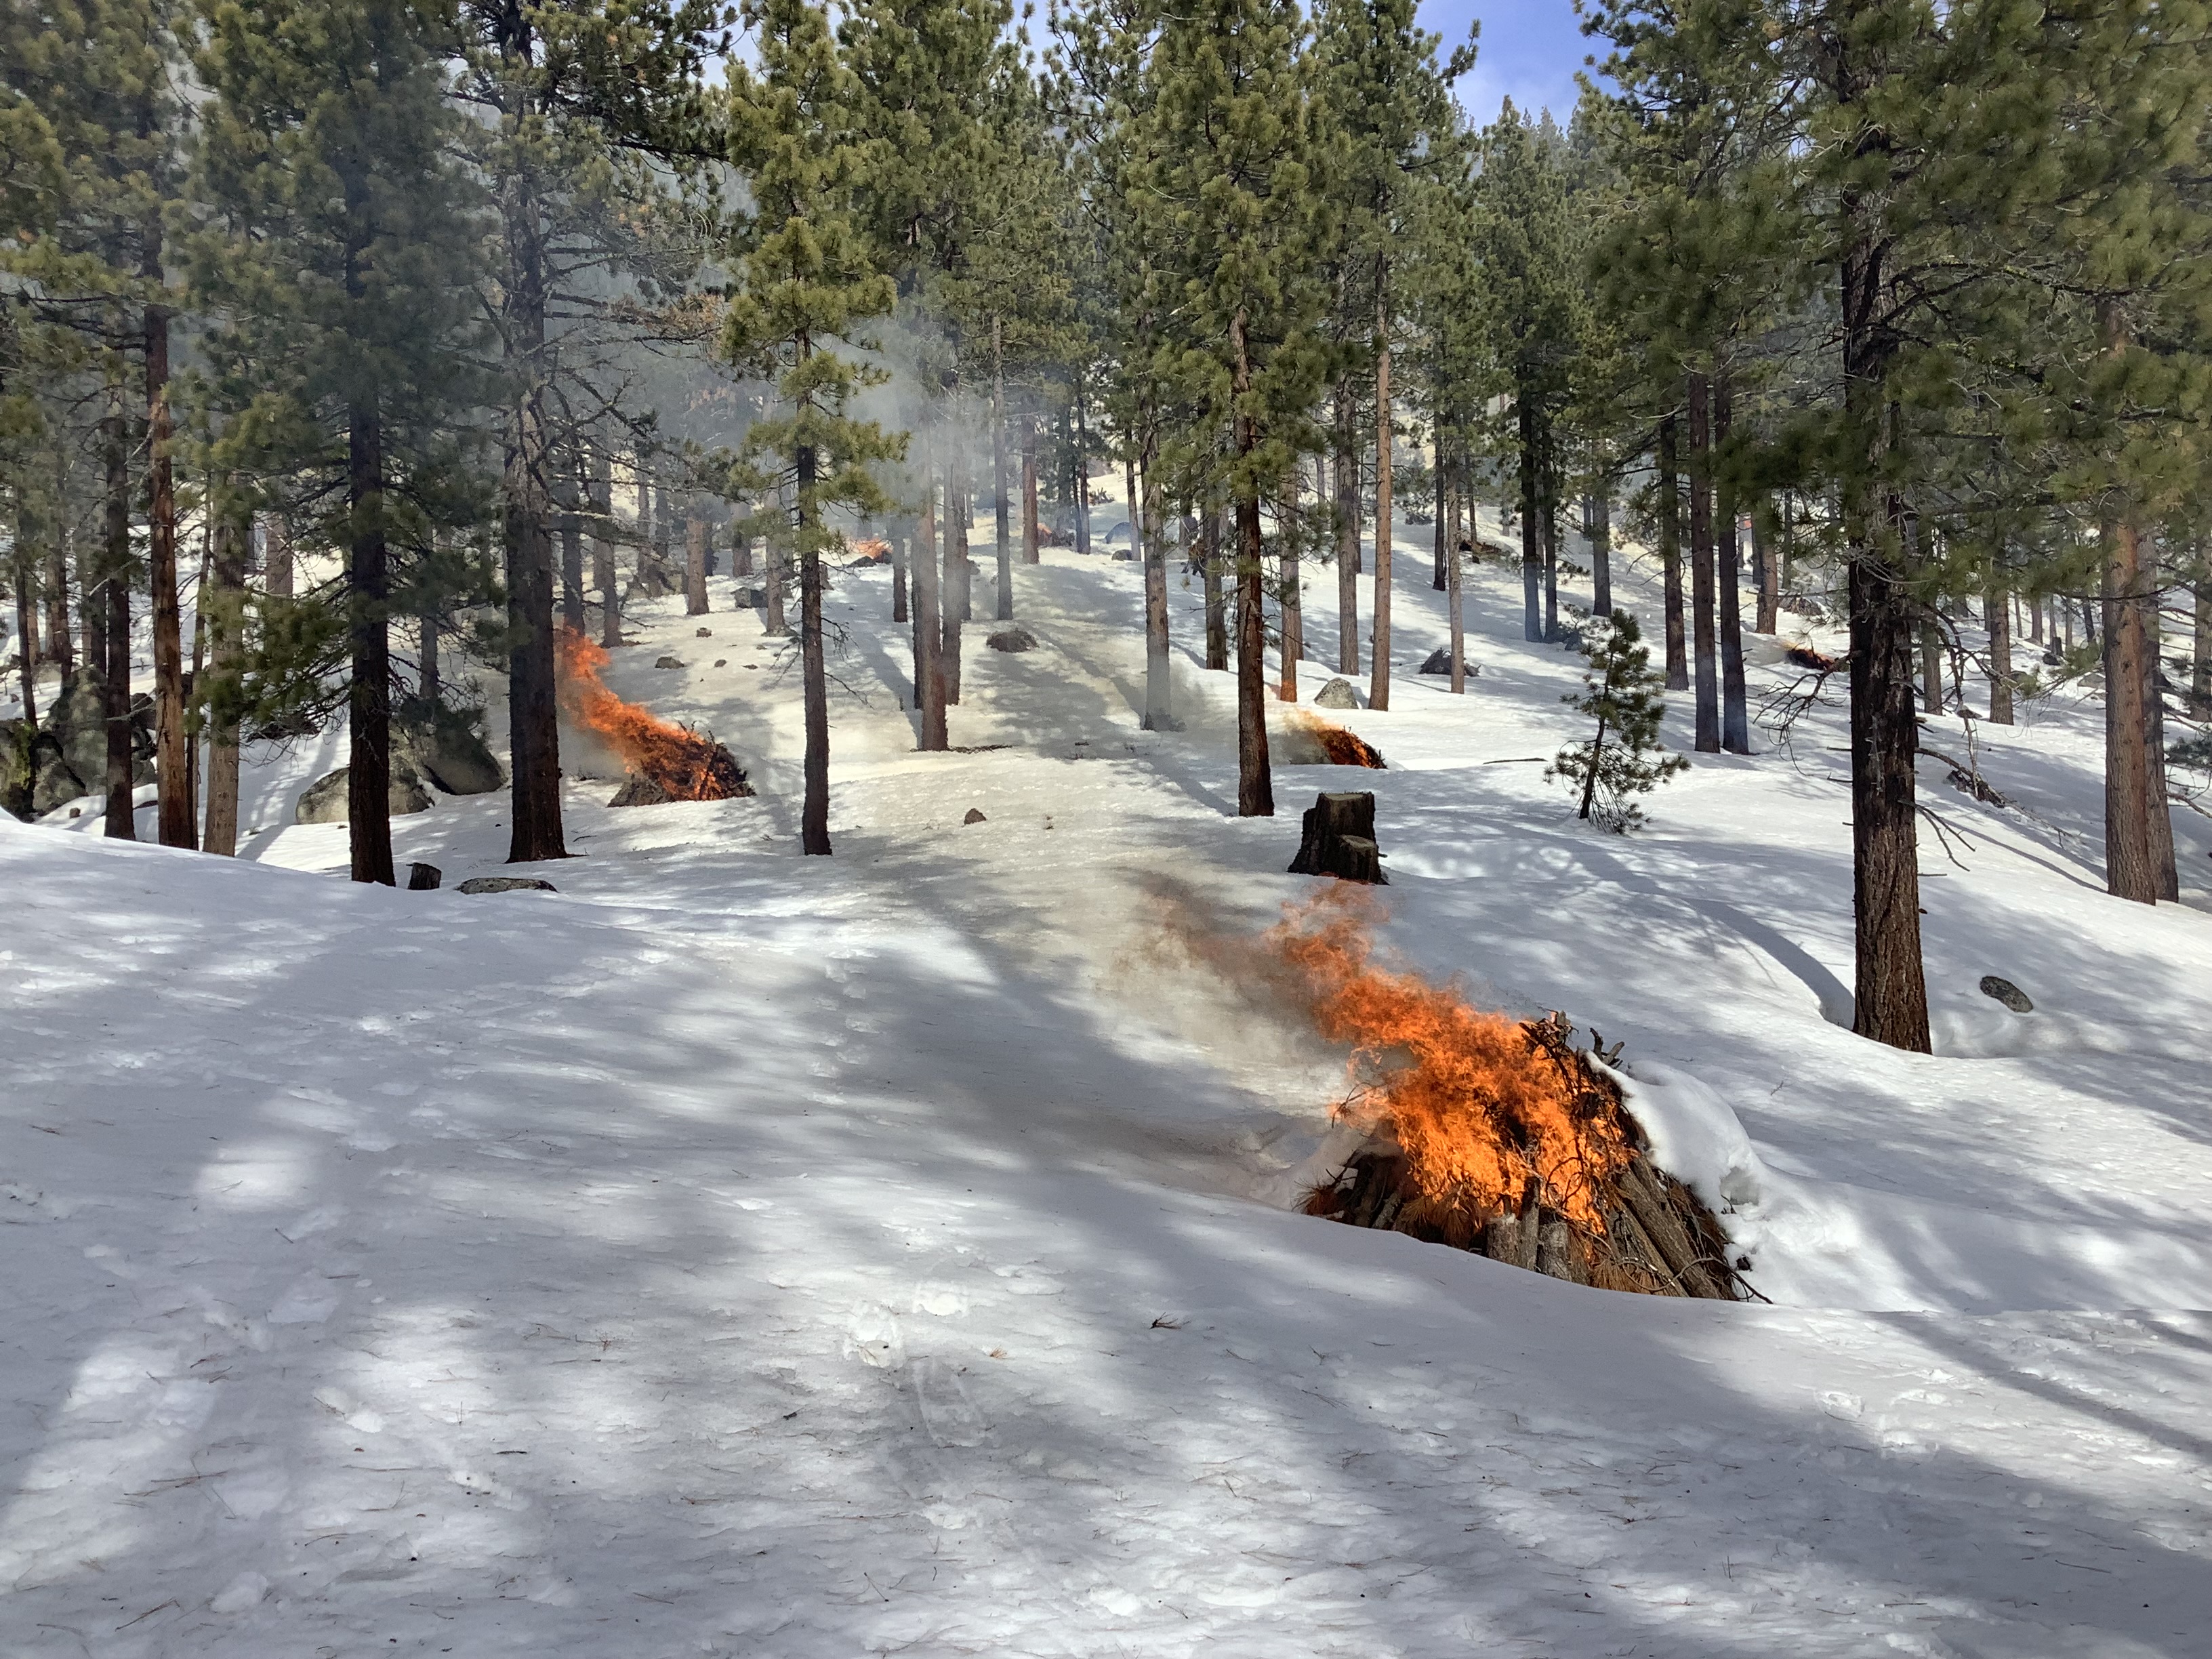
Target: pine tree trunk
2130, 869
60, 636
532, 706
2200, 662
1347, 535
1551, 533
426, 632
1001, 514
1438, 579
1159, 700
1707, 660
115, 603
1378, 678
1255, 785
773, 564
604, 577
664, 541
697, 535
369, 698
1996, 609
27, 653
899, 545
1670, 556
928, 631
1080, 493
2165, 872
572, 544
1455, 593
1532, 552
1601, 549
1031, 542
1217, 604
1891, 1006
1765, 569
1292, 645
814, 811
1736, 712
192, 678
1931, 666
953, 596
225, 606
276, 557
171, 751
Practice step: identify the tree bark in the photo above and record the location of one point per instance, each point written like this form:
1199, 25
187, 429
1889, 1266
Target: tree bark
1217, 604
1378, 680
533, 717
1439, 579
1000, 505
1290, 646
1765, 567
1347, 535
1670, 556
697, 536
115, 605
1031, 550
368, 699
2130, 868
27, 624
572, 543
61, 638
1081, 492
2200, 662
1159, 697
602, 550
1255, 784
814, 810
899, 544
1550, 497
952, 599
1707, 660
1996, 611
1892, 1002
1601, 541
928, 678
773, 564
225, 607
1736, 712
171, 751
1454, 590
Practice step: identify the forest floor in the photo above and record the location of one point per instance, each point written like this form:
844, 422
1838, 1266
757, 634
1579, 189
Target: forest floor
973, 1315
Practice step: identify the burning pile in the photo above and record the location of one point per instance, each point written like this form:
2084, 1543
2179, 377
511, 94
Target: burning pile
1339, 746
1486, 1134
667, 762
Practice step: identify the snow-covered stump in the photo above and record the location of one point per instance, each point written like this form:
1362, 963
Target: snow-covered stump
1631, 1228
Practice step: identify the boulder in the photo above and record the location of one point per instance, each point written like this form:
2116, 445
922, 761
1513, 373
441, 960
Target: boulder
668, 662
2006, 993
975, 816
1012, 639
423, 877
505, 884
752, 599
1439, 661
703, 634
445, 747
1338, 694
323, 801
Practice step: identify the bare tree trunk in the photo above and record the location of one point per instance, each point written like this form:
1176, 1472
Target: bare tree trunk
2130, 868
1438, 579
664, 541
1765, 567
1081, 492
1255, 784
369, 698
224, 606
1550, 498
26, 654
1454, 586
952, 599
1670, 556
115, 602
898, 579
1931, 666
929, 677
1891, 1001
774, 561
604, 577
565, 491
171, 752
1706, 655
1996, 609
61, 639
1217, 608
1532, 551
1159, 696
1347, 535
1736, 711
1600, 540
814, 810
1000, 505
1030, 540
1378, 680
426, 631
697, 536
276, 580
2200, 662
1290, 646
191, 679
2166, 872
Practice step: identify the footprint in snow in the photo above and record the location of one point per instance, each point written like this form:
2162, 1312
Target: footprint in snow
242, 1592
874, 1338
356, 1416
947, 1412
934, 1295
310, 1301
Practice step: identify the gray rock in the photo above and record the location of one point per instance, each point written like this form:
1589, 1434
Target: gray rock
505, 884
752, 599
1439, 662
975, 816
1337, 694
2006, 993
323, 801
668, 662
423, 877
450, 754
704, 634
1012, 639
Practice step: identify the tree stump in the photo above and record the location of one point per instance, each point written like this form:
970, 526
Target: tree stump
1338, 840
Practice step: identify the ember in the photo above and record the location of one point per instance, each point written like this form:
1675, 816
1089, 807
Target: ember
1485, 1132
678, 763
1342, 748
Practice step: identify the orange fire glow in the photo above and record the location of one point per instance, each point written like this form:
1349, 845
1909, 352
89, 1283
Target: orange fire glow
1342, 747
1477, 1107
689, 766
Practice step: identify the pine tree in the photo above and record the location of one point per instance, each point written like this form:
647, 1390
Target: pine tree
1622, 693
808, 280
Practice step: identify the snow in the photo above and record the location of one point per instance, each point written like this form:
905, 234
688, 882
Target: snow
736, 1254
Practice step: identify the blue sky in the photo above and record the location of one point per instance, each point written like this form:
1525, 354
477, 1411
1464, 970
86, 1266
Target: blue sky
1530, 51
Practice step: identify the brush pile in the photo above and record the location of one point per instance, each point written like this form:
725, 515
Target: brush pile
1617, 1222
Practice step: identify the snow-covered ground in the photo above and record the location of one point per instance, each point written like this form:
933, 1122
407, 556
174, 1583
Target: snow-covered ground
972, 1315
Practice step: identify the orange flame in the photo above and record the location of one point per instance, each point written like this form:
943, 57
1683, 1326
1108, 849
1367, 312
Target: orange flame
1477, 1107
1343, 748
688, 766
